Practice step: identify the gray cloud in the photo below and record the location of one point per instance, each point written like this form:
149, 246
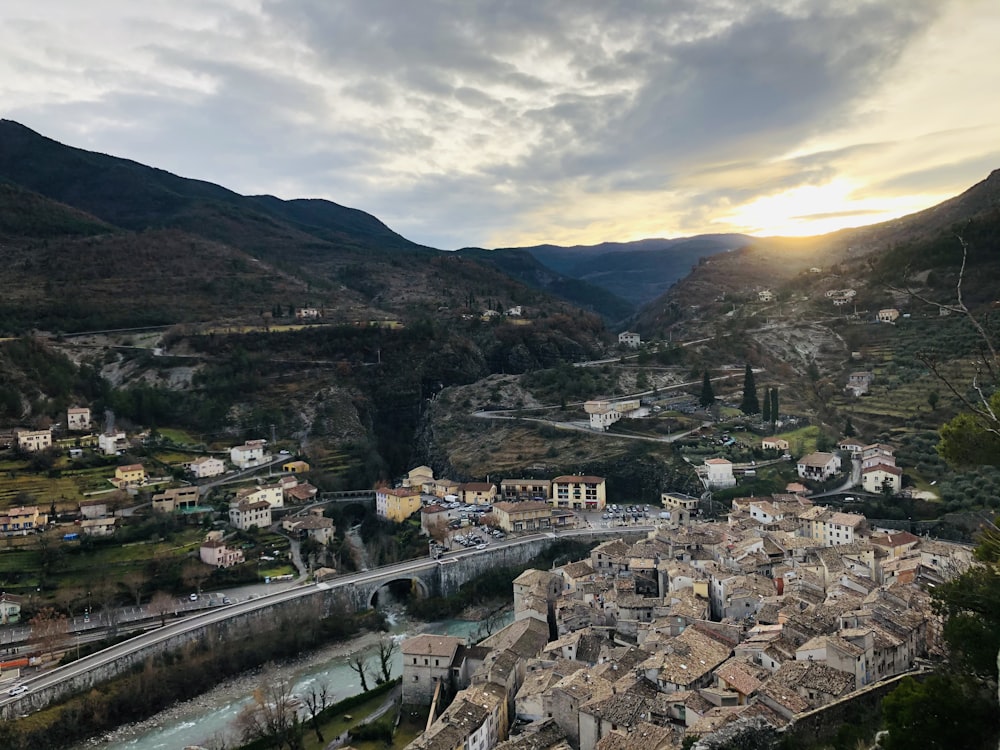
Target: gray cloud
457, 121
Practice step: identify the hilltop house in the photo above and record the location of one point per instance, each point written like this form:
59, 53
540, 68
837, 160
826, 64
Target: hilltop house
774, 444
818, 466
130, 475
859, 383
765, 295
882, 477
719, 473
177, 498
217, 553
78, 419
630, 339
605, 413
22, 521
251, 453
206, 466
245, 514
887, 315
32, 441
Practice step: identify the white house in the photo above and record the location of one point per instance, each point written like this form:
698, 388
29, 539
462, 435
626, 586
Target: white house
109, 443
629, 339
206, 466
774, 444
78, 418
32, 441
876, 478
251, 453
605, 413
887, 315
245, 514
765, 295
818, 466
719, 473
272, 494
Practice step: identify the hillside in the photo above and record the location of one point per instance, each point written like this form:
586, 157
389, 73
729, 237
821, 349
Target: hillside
95, 241
870, 257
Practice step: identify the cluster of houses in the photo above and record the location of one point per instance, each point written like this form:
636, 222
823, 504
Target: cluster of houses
878, 472
515, 505
779, 611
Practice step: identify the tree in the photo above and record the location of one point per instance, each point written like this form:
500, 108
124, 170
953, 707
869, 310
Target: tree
317, 698
750, 403
386, 648
774, 404
766, 407
161, 605
932, 400
707, 397
360, 665
849, 430
944, 711
49, 629
271, 716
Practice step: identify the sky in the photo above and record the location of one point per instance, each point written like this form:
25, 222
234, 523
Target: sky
517, 122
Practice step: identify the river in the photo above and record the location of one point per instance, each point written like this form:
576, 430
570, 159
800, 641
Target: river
207, 719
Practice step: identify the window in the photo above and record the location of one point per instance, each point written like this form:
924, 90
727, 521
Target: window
425, 662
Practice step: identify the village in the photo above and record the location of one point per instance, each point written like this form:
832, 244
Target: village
779, 611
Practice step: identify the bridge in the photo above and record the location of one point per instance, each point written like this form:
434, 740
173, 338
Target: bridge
355, 590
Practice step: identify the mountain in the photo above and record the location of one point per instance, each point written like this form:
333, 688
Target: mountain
870, 258
94, 241
523, 266
133, 196
634, 271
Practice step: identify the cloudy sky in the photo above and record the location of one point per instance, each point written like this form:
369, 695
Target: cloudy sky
515, 122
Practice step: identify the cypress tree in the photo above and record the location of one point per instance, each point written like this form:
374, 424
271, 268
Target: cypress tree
766, 412
750, 404
774, 404
707, 397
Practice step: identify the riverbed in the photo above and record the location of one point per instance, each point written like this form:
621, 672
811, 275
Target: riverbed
207, 720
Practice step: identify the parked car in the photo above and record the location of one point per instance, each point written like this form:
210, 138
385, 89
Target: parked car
480, 546
193, 597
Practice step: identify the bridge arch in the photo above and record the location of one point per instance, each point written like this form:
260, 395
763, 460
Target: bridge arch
414, 584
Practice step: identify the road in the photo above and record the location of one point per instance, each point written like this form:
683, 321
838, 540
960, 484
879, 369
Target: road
220, 613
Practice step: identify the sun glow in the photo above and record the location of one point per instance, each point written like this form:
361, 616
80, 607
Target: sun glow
818, 209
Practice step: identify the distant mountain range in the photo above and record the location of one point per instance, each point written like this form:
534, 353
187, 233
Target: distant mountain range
636, 271
67, 215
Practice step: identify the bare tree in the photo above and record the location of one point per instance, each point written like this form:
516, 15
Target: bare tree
316, 700
135, 581
272, 715
49, 629
360, 665
387, 647
161, 605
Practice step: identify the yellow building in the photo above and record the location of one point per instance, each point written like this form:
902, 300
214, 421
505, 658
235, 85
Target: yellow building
295, 467
397, 504
578, 493
130, 476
